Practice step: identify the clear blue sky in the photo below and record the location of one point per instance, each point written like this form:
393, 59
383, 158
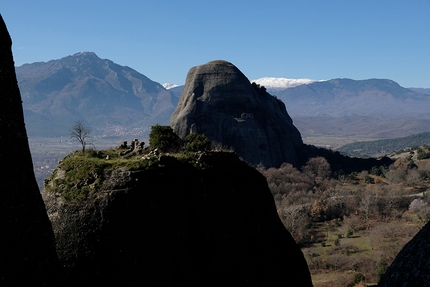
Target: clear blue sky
317, 39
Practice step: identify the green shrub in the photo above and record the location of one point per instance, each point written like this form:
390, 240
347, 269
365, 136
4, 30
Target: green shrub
423, 154
358, 277
197, 142
352, 175
164, 139
369, 180
376, 170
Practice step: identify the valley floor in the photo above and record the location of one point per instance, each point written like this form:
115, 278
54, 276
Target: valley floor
350, 226
341, 261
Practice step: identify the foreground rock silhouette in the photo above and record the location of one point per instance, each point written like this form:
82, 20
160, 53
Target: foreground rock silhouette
176, 223
27, 248
411, 267
220, 102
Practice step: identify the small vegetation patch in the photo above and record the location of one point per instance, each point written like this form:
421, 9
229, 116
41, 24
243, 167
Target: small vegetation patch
82, 173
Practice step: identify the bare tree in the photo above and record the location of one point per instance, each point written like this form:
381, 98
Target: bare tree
80, 133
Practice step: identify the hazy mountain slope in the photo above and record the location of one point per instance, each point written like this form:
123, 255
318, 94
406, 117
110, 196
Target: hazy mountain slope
359, 127
103, 94
421, 90
176, 93
345, 97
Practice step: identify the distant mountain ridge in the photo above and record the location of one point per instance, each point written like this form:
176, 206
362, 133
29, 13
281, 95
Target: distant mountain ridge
421, 90
119, 101
325, 111
345, 97
111, 98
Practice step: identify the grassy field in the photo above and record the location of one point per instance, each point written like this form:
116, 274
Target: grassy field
339, 260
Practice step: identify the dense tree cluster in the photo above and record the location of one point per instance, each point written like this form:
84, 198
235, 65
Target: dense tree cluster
330, 199
165, 140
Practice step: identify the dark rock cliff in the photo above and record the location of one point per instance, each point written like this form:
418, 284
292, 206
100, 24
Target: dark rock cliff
177, 223
411, 267
27, 248
220, 102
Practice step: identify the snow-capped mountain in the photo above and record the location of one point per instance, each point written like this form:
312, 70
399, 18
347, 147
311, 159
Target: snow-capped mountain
168, 86
276, 84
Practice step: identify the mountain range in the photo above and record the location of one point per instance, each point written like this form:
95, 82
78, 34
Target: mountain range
346, 97
112, 99
339, 111
116, 100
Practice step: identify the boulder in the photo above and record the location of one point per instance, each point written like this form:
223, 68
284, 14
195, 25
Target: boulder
179, 223
220, 102
411, 267
27, 246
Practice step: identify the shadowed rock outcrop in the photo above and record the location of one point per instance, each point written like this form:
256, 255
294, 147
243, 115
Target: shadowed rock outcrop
177, 223
411, 267
220, 102
27, 248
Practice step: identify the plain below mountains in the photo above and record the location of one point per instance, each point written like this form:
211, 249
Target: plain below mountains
355, 109
118, 101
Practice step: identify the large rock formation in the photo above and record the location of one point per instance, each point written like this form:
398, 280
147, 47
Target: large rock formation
220, 102
412, 265
27, 248
208, 221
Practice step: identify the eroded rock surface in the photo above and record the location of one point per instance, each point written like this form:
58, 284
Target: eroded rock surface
220, 102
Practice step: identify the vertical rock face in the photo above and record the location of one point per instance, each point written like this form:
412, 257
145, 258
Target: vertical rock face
27, 248
412, 265
220, 102
177, 224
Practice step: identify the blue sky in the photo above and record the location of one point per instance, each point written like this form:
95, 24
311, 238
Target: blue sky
278, 38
